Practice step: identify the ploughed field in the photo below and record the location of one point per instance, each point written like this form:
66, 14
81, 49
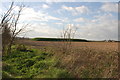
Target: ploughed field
102, 46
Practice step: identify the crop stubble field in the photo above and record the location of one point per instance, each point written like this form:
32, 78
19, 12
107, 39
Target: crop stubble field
102, 46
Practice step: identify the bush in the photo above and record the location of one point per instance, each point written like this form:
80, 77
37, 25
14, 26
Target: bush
21, 47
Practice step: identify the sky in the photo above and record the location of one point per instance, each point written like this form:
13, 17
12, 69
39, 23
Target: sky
93, 20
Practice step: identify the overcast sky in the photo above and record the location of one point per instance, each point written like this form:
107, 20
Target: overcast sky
94, 20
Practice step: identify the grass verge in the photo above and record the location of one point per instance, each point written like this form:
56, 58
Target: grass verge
32, 63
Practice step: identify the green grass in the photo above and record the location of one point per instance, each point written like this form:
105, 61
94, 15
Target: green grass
31, 64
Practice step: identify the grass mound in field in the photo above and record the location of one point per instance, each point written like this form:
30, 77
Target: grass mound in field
31, 64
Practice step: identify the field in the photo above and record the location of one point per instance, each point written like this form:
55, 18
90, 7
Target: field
104, 46
83, 59
55, 59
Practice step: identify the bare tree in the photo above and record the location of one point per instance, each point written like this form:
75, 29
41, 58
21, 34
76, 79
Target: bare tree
68, 35
9, 26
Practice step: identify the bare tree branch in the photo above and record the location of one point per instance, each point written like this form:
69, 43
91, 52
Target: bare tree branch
10, 21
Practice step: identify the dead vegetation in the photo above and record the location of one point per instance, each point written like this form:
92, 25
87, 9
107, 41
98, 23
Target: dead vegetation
86, 59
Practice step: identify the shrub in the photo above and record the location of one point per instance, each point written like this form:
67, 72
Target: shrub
21, 47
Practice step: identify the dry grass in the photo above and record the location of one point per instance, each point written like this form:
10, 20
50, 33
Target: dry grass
86, 59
